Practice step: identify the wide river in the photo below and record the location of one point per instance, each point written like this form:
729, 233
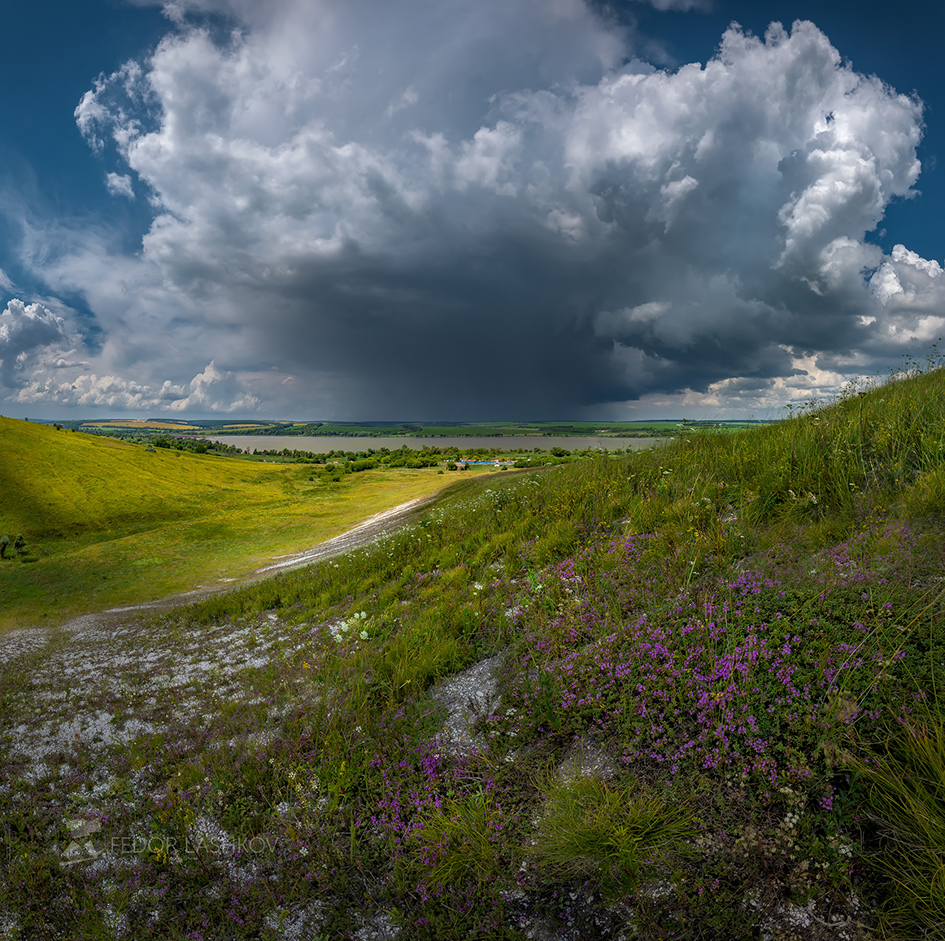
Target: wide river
322, 444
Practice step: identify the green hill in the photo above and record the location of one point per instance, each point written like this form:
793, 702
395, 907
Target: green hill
739, 640
108, 522
705, 692
58, 482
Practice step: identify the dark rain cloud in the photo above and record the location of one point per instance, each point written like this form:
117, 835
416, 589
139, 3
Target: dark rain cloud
461, 209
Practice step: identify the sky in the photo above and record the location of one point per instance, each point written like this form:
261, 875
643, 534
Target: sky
465, 209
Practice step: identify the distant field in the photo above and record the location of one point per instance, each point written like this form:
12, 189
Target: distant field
452, 429
630, 429
132, 425
490, 429
107, 522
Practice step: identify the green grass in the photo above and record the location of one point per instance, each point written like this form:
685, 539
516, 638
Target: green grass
617, 836
904, 779
110, 523
744, 630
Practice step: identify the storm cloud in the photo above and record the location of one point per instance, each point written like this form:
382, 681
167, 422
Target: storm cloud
440, 208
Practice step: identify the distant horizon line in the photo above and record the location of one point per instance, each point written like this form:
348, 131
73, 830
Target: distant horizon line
406, 424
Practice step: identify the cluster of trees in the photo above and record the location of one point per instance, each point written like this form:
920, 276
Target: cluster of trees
19, 544
166, 441
195, 445
406, 458
375, 457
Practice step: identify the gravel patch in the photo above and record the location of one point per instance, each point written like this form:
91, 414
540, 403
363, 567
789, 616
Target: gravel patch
18, 643
467, 696
584, 758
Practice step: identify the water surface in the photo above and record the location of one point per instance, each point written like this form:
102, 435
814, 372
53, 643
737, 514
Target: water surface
322, 444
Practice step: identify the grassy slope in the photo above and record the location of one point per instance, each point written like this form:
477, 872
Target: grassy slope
107, 522
736, 623
792, 544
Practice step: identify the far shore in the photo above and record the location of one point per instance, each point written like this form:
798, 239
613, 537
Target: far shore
322, 444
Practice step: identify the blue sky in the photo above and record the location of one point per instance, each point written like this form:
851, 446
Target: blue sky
449, 209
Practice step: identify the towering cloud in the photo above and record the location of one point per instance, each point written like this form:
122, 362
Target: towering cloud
496, 208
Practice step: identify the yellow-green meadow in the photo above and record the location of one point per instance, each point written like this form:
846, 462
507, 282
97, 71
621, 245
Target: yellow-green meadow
107, 522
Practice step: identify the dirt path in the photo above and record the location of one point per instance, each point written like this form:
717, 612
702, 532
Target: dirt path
363, 533
16, 642
372, 528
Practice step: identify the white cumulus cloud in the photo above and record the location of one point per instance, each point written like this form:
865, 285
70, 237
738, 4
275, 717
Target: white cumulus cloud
119, 184
27, 333
371, 196
217, 391
213, 390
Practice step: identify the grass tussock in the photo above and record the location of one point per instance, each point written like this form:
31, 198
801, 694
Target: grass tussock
616, 836
905, 797
718, 714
